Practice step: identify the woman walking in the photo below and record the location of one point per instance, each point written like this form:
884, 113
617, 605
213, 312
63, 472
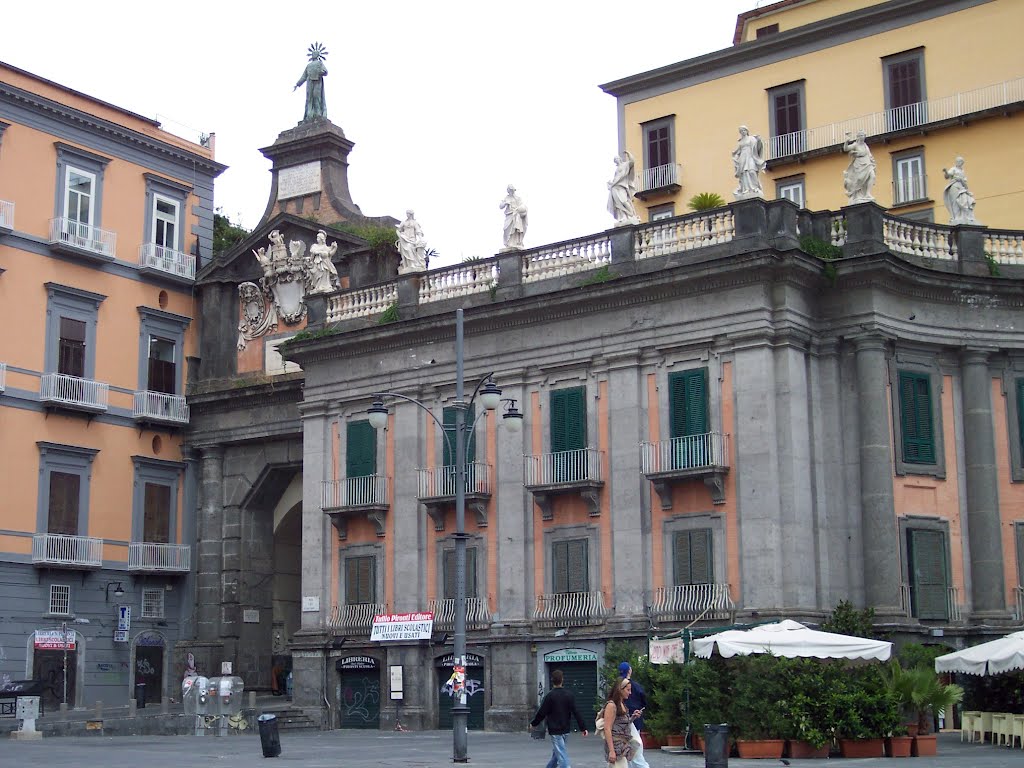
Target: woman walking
618, 743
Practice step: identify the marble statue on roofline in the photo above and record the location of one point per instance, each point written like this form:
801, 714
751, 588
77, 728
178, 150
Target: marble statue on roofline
515, 220
321, 274
859, 176
412, 245
748, 163
313, 76
958, 198
621, 189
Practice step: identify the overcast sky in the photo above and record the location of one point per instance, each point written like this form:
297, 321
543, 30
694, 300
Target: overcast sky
447, 102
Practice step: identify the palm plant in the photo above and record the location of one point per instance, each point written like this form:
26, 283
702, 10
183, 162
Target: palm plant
705, 201
920, 690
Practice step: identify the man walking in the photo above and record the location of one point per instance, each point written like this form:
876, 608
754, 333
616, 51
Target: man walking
635, 703
557, 708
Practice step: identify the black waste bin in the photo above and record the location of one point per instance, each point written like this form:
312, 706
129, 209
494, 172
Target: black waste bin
140, 695
269, 737
716, 745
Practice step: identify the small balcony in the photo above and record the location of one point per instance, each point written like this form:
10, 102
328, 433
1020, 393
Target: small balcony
551, 474
681, 459
159, 408
477, 614
166, 262
659, 180
909, 190
75, 238
58, 550
147, 557
937, 603
355, 618
570, 609
6, 217
365, 496
436, 490
58, 390
693, 602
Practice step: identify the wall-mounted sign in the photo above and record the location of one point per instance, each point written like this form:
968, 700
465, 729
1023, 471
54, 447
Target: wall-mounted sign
151, 639
310, 603
356, 662
472, 660
391, 627
124, 617
569, 654
299, 180
120, 635
251, 616
225, 668
54, 640
396, 682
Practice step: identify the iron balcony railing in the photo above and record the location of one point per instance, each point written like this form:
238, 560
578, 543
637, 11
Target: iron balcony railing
477, 614
578, 466
659, 176
570, 609
710, 449
3, 376
365, 491
6, 214
159, 558
167, 260
688, 602
83, 394
912, 610
910, 189
439, 482
159, 406
84, 236
68, 551
355, 617
1018, 594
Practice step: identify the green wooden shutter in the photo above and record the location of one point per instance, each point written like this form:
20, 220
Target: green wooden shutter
1019, 530
359, 580
928, 578
916, 418
449, 573
578, 576
1020, 418
560, 567
448, 418
568, 419
360, 449
691, 557
688, 416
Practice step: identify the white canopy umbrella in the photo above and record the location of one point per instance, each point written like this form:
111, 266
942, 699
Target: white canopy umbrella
991, 658
791, 639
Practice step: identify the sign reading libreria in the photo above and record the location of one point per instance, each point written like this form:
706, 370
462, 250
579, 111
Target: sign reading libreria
391, 627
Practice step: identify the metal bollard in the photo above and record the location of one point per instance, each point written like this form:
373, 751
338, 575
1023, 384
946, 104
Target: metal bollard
165, 705
99, 709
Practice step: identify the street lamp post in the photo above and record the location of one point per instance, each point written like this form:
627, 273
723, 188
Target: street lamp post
490, 396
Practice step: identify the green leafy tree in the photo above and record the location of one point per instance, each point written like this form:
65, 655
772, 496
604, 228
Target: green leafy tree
225, 234
847, 620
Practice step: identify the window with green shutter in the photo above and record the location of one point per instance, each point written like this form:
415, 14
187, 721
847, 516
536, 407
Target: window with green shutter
691, 557
449, 573
569, 433
688, 418
1019, 531
569, 566
1020, 417
448, 418
360, 582
360, 449
929, 582
916, 418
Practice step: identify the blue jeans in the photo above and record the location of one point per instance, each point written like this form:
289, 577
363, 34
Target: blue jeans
559, 757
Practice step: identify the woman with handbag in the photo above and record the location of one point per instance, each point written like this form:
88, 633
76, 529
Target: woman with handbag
618, 740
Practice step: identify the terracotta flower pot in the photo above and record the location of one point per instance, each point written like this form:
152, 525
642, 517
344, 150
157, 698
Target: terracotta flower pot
924, 746
912, 728
698, 742
649, 740
861, 748
898, 746
675, 740
801, 750
760, 748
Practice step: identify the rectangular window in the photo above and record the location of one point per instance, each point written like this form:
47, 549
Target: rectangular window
660, 212
156, 521
359, 580
65, 492
71, 347
152, 603
916, 418
165, 223
569, 434
570, 566
904, 82
658, 144
791, 190
929, 582
79, 189
162, 369
448, 419
688, 418
60, 599
908, 179
691, 557
360, 449
904, 90
770, 29
449, 573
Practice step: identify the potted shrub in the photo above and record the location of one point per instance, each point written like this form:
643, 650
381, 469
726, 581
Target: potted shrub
866, 711
664, 697
704, 684
898, 744
928, 696
808, 736
759, 717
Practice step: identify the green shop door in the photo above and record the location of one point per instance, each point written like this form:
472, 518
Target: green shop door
474, 691
579, 668
358, 692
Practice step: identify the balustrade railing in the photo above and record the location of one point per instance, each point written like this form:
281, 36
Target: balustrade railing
582, 465
72, 391
79, 235
167, 260
161, 407
368, 490
684, 602
461, 280
659, 176
684, 233
570, 608
70, 551
6, 214
439, 482
912, 609
914, 238
1004, 246
477, 614
355, 617
710, 449
566, 258
159, 558
362, 302
837, 231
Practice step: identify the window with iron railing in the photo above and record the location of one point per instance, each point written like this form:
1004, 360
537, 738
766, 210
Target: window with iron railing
60, 599
152, 603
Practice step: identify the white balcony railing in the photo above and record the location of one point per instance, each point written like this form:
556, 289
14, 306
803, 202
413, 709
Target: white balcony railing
365, 491
3, 376
570, 608
568, 258
439, 482
900, 118
710, 449
356, 617
910, 189
167, 260
363, 302
684, 602
582, 465
684, 233
658, 177
68, 551
83, 236
158, 406
914, 238
953, 609
1006, 247
159, 558
477, 614
460, 280
83, 394
6, 214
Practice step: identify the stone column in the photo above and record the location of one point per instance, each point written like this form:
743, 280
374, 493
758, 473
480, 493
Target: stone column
316, 538
208, 547
988, 595
879, 532
189, 535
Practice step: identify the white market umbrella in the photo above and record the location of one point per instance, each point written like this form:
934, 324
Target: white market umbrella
792, 640
991, 658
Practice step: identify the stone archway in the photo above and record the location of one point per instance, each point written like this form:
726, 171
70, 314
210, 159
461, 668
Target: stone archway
287, 583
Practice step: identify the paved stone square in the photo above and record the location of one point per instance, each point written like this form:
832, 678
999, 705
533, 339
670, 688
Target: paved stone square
333, 749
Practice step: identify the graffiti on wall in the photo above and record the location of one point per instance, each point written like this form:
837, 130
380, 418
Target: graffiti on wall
356, 702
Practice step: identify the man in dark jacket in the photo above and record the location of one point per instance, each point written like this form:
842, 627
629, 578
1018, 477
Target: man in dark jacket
557, 708
636, 702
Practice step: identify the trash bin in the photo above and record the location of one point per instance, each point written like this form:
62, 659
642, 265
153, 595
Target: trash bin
716, 745
269, 737
140, 695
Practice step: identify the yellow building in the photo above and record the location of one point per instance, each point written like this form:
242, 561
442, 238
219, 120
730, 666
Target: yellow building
104, 217
925, 80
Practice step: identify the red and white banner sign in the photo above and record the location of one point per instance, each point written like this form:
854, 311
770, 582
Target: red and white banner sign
665, 651
53, 640
391, 627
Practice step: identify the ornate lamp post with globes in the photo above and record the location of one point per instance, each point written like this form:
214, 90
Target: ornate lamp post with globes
490, 398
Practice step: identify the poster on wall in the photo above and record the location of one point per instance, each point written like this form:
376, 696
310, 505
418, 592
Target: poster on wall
391, 627
53, 640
